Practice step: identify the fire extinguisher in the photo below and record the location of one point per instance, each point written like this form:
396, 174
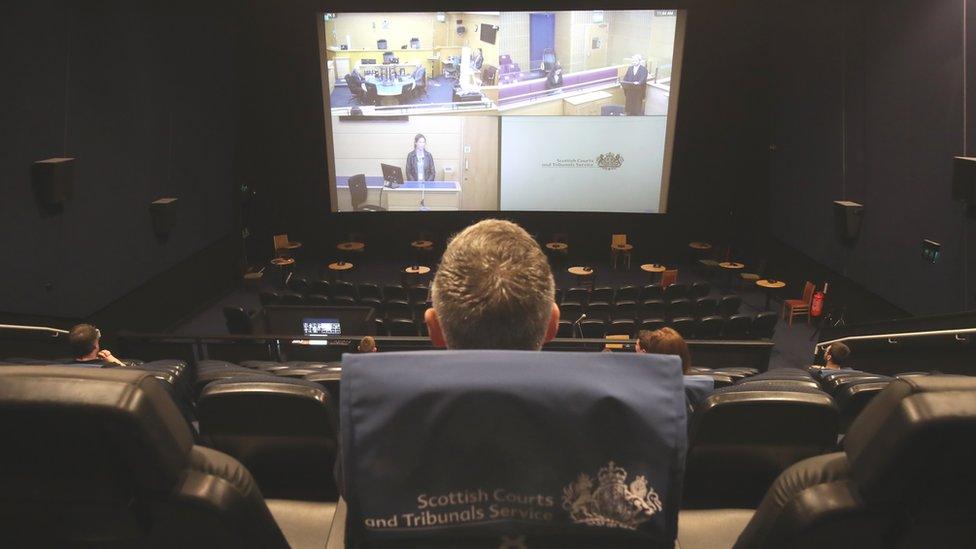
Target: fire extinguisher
816, 308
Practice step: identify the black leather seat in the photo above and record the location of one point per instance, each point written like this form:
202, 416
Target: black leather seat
680, 308
710, 327
593, 328
652, 308
651, 324
103, 457
282, 430
238, 321
904, 479
743, 436
565, 329
209, 371
852, 397
737, 327
685, 326
729, 305
764, 325
357, 185
706, 306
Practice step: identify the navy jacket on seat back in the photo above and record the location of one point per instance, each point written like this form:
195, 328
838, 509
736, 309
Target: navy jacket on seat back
450, 444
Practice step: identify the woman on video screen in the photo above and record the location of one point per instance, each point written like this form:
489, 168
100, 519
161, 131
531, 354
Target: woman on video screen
420, 164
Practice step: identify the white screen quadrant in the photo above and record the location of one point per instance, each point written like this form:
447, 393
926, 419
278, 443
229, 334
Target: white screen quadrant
582, 164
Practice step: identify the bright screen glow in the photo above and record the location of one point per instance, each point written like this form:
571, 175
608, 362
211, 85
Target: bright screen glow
500, 111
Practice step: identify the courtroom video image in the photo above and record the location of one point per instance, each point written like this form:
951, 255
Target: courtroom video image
397, 64
596, 63
415, 163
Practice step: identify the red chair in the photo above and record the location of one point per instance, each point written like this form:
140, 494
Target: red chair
795, 307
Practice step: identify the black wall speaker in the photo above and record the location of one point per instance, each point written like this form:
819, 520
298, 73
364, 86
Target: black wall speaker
964, 179
53, 180
847, 219
163, 212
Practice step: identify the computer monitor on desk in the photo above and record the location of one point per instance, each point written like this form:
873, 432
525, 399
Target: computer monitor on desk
392, 175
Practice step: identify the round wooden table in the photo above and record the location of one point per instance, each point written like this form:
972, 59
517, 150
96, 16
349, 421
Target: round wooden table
700, 246
422, 244
283, 264
584, 275
654, 269
419, 270
769, 285
557, 246
731, 267
351, 246
339, 267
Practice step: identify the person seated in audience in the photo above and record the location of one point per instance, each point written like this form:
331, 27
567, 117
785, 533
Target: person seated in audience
665, 341
367, 345
493, 290
85, 349
837, 355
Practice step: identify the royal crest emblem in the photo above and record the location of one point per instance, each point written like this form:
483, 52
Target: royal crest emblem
612, 503
609, 161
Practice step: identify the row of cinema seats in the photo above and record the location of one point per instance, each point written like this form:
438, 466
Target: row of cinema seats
107, 456
760, 326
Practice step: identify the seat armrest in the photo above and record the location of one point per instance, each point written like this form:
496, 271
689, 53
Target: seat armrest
337, 534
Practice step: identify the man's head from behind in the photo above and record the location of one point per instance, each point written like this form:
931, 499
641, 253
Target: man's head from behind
837, 354
665, 341
493, 290
84, 340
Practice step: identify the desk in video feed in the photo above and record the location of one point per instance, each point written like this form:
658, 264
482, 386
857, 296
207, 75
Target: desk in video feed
436, 195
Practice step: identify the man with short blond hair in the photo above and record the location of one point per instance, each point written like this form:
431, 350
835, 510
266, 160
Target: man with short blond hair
493, 290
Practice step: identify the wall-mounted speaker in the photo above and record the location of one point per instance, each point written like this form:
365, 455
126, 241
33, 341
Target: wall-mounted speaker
53, 180
847, 219
964, 179
461, 30
163, 212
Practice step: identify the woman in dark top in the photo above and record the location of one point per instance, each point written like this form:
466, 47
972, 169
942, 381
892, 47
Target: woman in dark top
420, 164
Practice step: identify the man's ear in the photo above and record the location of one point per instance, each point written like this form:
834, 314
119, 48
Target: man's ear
434, 328
553, 327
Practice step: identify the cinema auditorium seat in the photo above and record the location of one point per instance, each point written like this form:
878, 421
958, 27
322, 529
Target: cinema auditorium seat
904, 479
745, 435
283, 430
574, 441
102, 457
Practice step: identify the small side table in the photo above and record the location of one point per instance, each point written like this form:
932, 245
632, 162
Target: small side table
284, 265
337, 268
769, 286
654, 269
584, 275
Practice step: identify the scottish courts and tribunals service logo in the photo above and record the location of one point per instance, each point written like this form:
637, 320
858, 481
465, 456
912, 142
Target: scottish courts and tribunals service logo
609, 161
606, 161
612, 503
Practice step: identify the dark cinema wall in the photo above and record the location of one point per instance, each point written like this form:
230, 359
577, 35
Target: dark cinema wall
877, 86
144, 94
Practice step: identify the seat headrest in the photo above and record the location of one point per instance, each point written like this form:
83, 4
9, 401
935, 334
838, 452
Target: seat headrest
448, 443
916, 441
277, 406
67, 430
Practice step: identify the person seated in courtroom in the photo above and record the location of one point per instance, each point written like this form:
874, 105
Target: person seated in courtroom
493, 290
665, 341
554, 79
86, 351
477, 59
